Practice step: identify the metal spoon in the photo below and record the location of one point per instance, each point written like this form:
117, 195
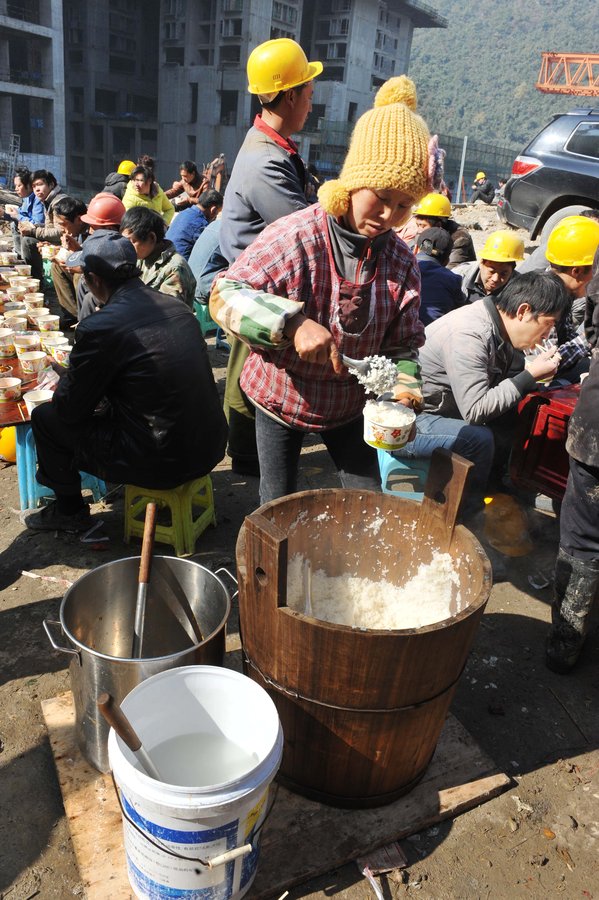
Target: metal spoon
360, 365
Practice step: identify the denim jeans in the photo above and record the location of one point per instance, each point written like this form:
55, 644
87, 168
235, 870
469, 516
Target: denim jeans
279, 449
474, 442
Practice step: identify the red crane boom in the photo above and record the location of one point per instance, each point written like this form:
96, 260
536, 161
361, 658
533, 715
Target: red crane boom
569, 73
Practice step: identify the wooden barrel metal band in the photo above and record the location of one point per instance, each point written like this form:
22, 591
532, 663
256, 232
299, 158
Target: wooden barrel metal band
295, 695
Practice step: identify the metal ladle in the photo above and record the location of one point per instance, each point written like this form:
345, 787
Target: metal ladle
117, 719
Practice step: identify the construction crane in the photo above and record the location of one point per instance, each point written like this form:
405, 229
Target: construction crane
569, 73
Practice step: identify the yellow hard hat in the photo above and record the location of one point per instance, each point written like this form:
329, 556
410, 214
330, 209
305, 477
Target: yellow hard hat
279, 65
126, 167
434, 205
8, 444
480, 175
573, 242
503, 246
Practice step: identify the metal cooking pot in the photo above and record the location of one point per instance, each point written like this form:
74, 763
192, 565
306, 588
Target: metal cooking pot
97, 615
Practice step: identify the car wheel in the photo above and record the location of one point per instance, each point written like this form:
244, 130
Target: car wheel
557, 216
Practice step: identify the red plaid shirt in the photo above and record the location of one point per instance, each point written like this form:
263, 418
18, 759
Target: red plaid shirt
293, 258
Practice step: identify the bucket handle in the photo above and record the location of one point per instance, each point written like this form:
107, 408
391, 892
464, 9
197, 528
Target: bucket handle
220, 860
47, 623
232, 577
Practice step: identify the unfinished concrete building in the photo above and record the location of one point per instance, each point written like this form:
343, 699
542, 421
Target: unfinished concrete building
204, 107
32, 113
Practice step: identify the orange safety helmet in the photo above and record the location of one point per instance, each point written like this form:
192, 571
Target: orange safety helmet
104, 210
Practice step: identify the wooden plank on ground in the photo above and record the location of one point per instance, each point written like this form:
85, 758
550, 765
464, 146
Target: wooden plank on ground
301, 839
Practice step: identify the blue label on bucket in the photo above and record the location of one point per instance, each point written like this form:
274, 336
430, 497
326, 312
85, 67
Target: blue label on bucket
227, 832
154, 891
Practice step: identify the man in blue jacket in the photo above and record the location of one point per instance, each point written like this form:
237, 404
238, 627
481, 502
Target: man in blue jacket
188, 224
31, 209
440, 289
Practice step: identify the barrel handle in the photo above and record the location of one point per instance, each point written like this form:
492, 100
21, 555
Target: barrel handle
266, 555
232, 577
47, 623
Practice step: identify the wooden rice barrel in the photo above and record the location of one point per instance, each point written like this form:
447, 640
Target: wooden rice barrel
362, 710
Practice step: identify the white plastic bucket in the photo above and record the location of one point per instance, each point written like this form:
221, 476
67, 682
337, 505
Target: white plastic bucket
199, 823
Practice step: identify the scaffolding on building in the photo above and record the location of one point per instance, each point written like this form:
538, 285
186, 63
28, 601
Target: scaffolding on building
9, 159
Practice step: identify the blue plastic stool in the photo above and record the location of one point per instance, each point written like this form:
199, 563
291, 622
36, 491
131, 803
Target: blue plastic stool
207, 324
403, 477
30, 492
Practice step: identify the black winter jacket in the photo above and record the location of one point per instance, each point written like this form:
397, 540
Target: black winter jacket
115, 184
143, 354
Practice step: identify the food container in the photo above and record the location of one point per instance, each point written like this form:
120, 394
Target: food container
10, 389
16, 312
27, 342
49, 251
17, 281
34, 314
32, 285
36, 398
61, 353
7, 343
34, 301
16, 293
51, 339
17, 323
387, 425
23, 269
48, 323
33, 361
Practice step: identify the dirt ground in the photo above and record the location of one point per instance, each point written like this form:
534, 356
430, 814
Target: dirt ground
540, 839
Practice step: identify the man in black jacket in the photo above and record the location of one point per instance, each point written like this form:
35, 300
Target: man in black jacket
576, 585
138, 403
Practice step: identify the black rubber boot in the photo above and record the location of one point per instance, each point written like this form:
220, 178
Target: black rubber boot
575, 587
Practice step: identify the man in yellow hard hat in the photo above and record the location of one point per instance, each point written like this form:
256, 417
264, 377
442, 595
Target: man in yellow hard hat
497, 265
269, 180
571, 247
434, 211
482, 189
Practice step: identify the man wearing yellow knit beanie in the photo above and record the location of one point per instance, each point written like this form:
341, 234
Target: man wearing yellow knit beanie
328, 280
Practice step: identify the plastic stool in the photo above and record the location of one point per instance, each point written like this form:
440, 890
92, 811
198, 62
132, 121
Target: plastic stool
202, 314
30, 491
47, 269
403, 477
207, 324
184, 529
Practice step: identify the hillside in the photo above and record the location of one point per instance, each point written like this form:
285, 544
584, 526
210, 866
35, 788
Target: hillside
477, 76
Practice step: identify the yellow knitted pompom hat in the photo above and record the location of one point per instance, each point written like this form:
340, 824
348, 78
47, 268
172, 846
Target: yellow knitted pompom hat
388, 149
